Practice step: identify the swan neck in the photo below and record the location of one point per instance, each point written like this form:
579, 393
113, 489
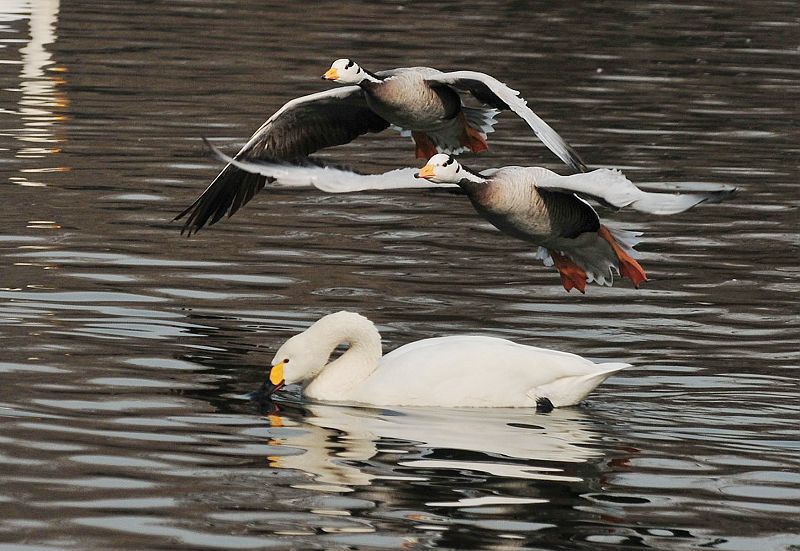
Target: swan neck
339, 378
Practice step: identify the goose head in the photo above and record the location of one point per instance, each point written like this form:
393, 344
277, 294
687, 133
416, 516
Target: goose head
345, 71
442, 169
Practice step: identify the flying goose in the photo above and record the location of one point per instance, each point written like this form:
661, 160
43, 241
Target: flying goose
544, 208
530, 203
455, 371
422, 102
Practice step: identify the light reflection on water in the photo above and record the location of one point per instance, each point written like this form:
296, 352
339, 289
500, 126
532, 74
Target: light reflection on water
127, 350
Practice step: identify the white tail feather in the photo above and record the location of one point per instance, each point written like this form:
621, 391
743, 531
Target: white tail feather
448, 140
481, 119
568, 391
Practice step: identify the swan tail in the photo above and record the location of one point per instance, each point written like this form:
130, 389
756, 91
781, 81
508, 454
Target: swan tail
568, 391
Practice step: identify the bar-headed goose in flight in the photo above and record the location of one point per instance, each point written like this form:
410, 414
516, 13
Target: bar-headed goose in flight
426, 103
530, 203
542, 207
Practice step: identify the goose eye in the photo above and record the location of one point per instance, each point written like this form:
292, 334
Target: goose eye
448, 162
349, 64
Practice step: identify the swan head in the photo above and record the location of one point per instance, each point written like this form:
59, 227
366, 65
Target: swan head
301, 358
345, 71
295, 361
442, 169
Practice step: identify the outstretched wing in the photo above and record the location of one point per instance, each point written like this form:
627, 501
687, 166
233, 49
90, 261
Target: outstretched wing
327, 178
491, 91
611, 187
299, 128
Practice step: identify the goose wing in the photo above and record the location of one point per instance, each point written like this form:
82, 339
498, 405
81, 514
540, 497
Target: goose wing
612, 188
299, 128
327, 178
491, 91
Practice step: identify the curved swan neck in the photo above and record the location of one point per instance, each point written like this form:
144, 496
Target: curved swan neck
338, 378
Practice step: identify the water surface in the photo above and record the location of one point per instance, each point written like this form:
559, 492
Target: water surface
127, 349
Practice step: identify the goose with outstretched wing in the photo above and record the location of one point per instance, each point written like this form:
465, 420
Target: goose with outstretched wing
530, 203
545, 208
425, 103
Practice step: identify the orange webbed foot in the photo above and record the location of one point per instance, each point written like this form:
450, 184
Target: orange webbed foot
572, 275
628, 267
472, 138
425, 147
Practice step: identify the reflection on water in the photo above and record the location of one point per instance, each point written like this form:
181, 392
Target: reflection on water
334, 440
42, 100
126, 350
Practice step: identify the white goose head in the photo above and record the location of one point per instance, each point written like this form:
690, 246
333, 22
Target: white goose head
442, 169
346, 71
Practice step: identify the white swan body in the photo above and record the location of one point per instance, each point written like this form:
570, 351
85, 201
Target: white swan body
456, 371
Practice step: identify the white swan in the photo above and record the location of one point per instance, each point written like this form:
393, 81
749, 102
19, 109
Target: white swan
457, 371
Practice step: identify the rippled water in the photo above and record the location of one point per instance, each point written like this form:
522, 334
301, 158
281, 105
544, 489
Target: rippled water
127, 350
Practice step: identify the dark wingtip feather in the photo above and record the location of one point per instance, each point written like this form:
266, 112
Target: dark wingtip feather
575, 161
230, 190
719, 196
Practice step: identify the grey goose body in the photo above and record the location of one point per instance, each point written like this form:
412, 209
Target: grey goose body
510, 200
408, 102
419, 101
544, 208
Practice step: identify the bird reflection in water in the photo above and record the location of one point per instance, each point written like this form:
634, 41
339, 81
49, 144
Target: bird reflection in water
339, 446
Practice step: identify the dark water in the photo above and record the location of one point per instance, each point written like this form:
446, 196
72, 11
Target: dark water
126, 349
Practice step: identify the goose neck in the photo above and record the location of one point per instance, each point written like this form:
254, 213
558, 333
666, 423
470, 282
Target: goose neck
470, 179
370, 80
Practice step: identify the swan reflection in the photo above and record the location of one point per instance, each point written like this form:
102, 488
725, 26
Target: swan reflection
338, 446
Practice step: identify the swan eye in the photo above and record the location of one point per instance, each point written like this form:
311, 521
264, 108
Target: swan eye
285, 360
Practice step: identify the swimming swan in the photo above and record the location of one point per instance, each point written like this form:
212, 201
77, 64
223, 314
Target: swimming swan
421, 102
456, 371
